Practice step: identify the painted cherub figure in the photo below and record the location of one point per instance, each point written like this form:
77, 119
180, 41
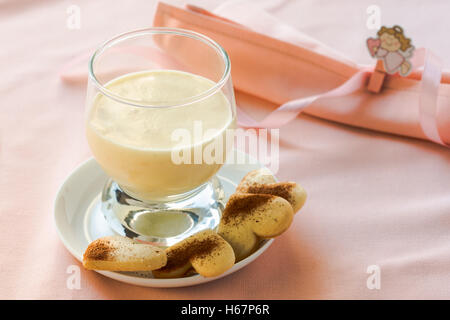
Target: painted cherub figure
393, 48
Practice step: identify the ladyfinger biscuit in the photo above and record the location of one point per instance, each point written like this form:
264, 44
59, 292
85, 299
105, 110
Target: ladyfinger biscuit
117, 253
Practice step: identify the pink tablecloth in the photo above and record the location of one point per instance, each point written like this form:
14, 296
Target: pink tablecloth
374, 199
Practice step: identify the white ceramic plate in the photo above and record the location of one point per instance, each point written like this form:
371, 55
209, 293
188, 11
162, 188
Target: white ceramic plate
79, 220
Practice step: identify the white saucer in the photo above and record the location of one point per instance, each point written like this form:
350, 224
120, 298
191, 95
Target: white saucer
79, 220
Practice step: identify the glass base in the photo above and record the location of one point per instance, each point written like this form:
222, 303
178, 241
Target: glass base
163, 223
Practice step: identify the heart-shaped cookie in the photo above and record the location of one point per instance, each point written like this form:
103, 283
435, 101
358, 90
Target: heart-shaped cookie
260, 208
248, 218
207, 252
262, 181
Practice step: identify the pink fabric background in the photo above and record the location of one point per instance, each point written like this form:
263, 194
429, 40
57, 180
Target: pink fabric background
374, 199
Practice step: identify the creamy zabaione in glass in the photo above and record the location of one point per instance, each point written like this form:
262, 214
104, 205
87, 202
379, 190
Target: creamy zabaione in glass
135, 145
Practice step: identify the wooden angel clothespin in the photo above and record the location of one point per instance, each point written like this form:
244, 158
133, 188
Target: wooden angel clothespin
392, 51
376, 79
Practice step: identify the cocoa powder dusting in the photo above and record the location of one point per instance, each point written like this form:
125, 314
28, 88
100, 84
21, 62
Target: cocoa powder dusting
190, 249
282, 189
99, 251
242, 206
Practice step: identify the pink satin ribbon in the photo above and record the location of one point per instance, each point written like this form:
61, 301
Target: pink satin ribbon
290, 110
431, 78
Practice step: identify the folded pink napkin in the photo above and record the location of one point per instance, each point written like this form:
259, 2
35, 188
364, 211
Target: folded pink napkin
273, 61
